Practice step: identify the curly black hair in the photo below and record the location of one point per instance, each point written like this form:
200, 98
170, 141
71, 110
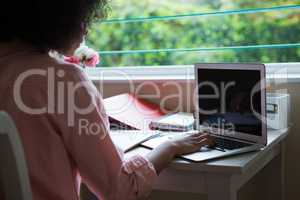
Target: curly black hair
48, 24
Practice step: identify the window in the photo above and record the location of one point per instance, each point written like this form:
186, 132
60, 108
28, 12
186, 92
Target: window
183, 32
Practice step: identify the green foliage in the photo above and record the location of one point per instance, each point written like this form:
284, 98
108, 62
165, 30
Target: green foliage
213, 31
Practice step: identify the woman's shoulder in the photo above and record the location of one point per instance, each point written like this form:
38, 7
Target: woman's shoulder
61, 64
66, 70
42, 71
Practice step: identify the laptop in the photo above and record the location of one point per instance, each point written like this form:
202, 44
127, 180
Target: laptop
230, 104
230, 101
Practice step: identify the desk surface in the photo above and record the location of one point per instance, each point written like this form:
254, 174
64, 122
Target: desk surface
233, 164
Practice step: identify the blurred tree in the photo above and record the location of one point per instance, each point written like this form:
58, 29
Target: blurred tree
211, 31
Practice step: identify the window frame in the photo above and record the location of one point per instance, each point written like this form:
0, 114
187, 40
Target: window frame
289, 72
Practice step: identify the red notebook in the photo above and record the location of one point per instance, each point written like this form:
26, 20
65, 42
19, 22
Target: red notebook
132, 111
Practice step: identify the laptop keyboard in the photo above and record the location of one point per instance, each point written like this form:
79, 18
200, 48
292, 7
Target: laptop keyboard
229, 144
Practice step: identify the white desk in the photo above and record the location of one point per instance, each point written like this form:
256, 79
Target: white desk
220, 179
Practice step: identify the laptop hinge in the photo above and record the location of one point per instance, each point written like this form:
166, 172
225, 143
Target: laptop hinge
238, 139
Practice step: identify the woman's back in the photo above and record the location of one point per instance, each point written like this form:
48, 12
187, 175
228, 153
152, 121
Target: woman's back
53, 106
23, 89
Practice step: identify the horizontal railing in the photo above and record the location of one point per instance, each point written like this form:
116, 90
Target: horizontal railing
205, 14
202, 14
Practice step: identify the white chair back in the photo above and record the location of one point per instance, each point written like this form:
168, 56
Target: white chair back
14, 181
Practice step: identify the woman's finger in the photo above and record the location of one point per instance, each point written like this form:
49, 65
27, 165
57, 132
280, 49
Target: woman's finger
203, 142
203, 137
200, 135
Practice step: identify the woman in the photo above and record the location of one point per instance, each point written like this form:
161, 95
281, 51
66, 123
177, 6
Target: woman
49, 101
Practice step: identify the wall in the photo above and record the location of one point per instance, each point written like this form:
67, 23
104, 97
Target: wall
293, 146
256, 188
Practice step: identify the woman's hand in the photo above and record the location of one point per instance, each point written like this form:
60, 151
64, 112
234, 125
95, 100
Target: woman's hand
162, 155
189, 144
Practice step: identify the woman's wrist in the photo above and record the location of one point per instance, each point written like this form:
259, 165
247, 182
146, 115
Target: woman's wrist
172, 148
162, 155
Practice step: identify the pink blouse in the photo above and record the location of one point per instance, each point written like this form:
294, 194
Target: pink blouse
65, 132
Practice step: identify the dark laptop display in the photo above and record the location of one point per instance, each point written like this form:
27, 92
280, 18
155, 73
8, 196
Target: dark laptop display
230, 100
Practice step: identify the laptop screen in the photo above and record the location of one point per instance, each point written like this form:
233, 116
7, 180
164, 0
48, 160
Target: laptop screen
230, 99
